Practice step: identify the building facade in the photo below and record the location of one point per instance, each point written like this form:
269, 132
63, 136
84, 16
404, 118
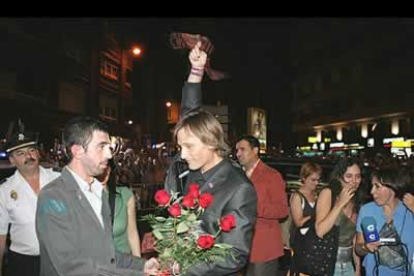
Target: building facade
355, 90
55, 69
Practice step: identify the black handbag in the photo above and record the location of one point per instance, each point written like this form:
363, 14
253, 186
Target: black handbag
313, 255
392, 255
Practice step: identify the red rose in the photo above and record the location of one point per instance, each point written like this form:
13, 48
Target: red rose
205, 200
188, 201
162, 197
194, 190
175, 210
205, 241
227, 223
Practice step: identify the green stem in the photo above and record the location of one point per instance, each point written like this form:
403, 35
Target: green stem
167, 230
218, 232
201, 210
175, 231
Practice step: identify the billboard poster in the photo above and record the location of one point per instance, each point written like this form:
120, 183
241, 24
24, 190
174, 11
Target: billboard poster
256, 125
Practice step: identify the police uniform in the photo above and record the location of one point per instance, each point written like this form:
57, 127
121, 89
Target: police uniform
18, 208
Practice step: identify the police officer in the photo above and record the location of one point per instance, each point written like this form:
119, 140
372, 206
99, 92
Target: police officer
18, 199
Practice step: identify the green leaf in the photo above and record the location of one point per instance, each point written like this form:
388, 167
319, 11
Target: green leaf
192, 217
182, 227
158, 234
166, 253
223, 245
160, 219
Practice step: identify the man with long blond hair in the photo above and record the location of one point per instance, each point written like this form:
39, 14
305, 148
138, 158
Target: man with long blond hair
201, 139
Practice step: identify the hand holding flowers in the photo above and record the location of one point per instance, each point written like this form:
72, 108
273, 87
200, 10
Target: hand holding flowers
180, 239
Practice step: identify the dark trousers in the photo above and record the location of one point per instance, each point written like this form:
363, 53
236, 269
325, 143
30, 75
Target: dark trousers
269, 268
22, 265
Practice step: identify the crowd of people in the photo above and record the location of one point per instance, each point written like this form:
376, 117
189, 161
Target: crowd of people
81, 220
329, 236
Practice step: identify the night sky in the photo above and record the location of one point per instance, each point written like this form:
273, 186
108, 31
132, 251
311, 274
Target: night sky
262, 55
255, 52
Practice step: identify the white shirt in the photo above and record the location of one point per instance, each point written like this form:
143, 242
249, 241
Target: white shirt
92, 192
18, 207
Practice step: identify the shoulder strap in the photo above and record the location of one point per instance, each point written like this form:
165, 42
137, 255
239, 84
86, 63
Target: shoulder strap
111, 185
302, 197
111, 198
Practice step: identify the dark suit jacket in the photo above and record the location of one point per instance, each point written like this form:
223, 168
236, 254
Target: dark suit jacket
233, 194
72, 240
191, 98
190, 102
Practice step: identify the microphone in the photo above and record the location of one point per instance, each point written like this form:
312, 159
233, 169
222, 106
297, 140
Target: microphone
184, 174
369, 228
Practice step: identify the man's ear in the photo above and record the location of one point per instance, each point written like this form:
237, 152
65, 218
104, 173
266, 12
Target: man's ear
11, 159
256, 150
77, 151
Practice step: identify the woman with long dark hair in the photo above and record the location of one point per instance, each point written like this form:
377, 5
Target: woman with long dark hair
336, 210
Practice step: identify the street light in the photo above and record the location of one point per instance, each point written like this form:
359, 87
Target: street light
136, 51
138, 98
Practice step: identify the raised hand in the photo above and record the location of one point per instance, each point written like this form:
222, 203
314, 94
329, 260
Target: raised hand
346, 194
371, 247
197, 57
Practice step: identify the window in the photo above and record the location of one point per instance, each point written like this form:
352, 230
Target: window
107, 111
108, 107
109, 69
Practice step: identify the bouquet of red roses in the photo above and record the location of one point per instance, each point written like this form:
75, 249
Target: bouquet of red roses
179, 237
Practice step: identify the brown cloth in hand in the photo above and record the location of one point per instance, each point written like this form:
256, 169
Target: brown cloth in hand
184, 40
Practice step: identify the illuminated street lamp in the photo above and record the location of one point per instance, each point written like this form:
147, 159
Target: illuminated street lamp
136, 51
168, 104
